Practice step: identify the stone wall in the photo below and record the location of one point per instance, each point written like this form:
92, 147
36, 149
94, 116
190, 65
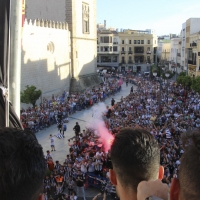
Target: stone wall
46, 60
46, 9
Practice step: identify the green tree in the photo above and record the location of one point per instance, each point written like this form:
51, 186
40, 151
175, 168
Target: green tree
30, 95
186, 81
180, 79
182, 74
196, 84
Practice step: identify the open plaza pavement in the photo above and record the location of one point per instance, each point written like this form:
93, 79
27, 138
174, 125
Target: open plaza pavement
83, 118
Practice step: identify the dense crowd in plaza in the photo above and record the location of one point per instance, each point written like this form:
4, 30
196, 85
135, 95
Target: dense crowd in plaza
47, 113
166, 117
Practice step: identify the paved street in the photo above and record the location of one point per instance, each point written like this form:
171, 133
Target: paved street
82, 117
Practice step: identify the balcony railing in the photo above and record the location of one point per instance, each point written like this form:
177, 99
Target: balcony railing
123, 52
115, 42
130, 52
139, 52
191, 62
123, 62
178, 54
148, 52
194, 44
130, 62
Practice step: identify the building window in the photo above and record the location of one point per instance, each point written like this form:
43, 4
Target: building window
110, 49
122, 41
101, 49
129, 49
114, 59
129, 41
135, 41
148, 41
105, 59
104, 39
122, 48
138, 41
85, 18
115, 48
142, 41
110, 39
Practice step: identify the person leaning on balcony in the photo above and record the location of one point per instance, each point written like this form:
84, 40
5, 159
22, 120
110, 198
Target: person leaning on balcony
22, 165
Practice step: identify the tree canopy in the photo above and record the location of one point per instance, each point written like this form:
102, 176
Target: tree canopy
30, 95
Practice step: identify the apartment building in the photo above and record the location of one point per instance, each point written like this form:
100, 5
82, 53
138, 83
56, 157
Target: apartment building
164, 47
175, 54
136, 49
192, 50
183, 47
194, 55
107, 49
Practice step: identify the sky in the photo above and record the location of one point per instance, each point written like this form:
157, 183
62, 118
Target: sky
164, 16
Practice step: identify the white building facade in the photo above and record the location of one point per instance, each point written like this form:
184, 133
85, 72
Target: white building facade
81, 19
45, 63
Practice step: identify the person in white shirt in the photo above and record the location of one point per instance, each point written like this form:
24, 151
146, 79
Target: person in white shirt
52, 143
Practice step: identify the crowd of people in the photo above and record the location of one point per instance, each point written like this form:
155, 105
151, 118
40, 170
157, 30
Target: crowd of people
163, 108
156, 137
86, 165
47, 113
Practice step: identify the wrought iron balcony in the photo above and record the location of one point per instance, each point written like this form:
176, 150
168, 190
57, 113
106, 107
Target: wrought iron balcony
130, 62
123, 52
130, 52
123, 62
115, 42
194, 44
148, 52
178, 54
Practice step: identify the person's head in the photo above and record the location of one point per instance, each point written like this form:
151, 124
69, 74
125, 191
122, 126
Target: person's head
22, 165
135, 157
187, 184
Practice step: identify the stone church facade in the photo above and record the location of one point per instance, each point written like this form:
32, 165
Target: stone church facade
81, 44
44, 62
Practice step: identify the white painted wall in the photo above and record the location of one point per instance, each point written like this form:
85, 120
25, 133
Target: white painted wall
86, 43
183, 44
48, 71
46, 9
194, 25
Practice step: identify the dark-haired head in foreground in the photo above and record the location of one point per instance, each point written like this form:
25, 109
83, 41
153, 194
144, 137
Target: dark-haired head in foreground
135, 157
188, 182
22, 165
